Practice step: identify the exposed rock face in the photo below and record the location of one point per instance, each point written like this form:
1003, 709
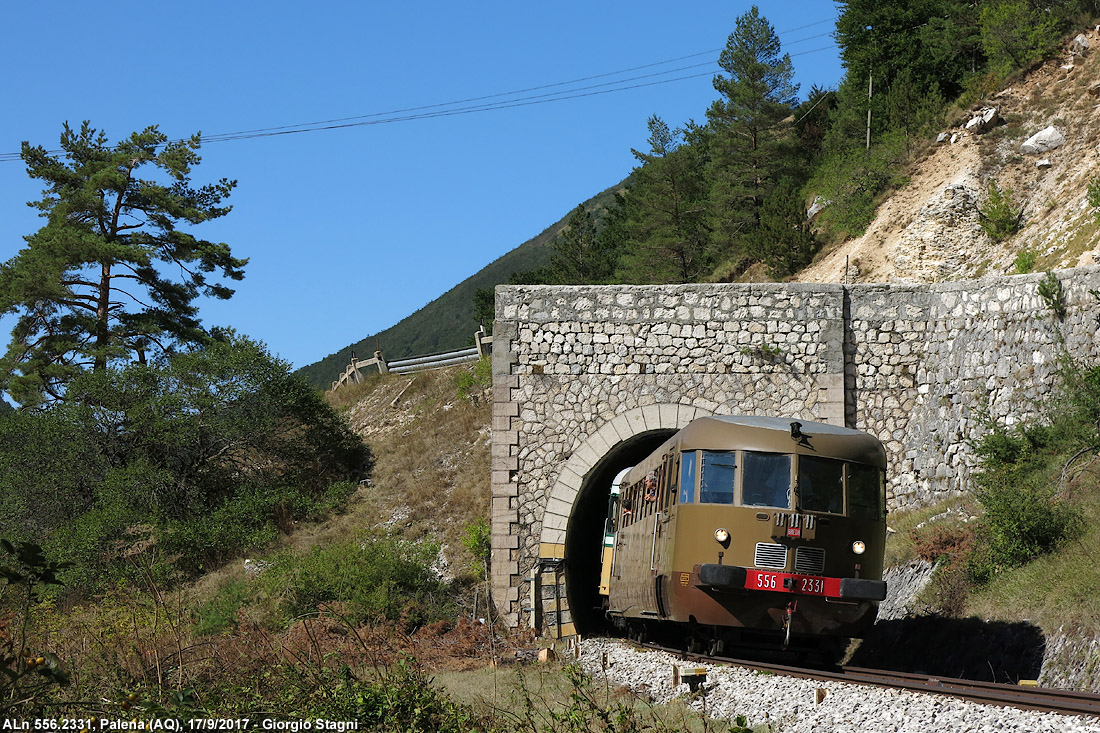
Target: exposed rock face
984, 121
1080, 44
819, 204
903, 585
1071, 661
928, 250
1044, 140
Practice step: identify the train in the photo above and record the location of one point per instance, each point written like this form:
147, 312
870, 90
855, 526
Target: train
749, 531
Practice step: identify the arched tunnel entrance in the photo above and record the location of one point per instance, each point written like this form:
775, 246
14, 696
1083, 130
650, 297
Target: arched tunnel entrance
585, 529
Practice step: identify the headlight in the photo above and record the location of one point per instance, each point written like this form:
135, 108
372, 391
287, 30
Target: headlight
858, 547
722, 536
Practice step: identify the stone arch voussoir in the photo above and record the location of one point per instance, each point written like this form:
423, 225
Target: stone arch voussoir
622, 427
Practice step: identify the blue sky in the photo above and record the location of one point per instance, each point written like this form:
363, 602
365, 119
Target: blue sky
350, 230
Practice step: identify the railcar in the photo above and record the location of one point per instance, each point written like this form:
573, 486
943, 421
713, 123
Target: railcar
750, 531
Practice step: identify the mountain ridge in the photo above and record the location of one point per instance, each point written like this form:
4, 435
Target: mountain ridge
448, 321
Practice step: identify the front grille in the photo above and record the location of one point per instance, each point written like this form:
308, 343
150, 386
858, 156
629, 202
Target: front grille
809, 560
770, 556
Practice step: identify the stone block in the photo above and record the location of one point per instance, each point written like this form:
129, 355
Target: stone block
555, 536
505, 408
552, 520
504, 463
651, 414
504, 488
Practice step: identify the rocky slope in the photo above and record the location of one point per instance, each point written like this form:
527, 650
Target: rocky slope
929, 230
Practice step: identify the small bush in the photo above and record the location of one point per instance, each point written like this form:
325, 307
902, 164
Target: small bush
220, 612
1053, 294
1025, 261
472, 384
1000, 218
1094, 195
376, 578
1021, 522
476, 537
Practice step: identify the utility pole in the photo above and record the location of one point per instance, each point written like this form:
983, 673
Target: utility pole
870, 89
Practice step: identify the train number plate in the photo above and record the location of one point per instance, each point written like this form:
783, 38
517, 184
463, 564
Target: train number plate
813, 585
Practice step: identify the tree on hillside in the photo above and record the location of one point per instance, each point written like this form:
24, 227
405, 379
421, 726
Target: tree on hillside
664, 214
580, 255
749, 143
110, 277
785, 240
211, 446
881, 39
1016, 35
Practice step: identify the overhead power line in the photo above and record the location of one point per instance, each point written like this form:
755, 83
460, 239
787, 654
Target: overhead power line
504, 100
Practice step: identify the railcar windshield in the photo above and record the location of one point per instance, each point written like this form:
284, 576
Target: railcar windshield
767, 480
866, 491
820, 485
716, 477
687, 478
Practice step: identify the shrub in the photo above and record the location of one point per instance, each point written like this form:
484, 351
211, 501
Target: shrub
375, 578
1025, 261
1053, 294
1000, 218
220, 612
217, 449
472, 384
1021, 522
476, 538
28, 676
1023, 516
1094, 195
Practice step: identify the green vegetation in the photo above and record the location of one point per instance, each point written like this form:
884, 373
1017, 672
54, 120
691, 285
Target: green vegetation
1053, 294
1024, 517
726, 198
1025, 261
373, 578
1000, 217
92, 286
210, 452
1093, 195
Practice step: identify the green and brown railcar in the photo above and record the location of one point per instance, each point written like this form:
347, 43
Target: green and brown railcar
755, 527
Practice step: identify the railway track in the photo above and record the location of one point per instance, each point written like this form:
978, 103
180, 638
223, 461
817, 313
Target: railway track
1043, 699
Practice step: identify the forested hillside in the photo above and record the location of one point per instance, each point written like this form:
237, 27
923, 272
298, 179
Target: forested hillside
727, 198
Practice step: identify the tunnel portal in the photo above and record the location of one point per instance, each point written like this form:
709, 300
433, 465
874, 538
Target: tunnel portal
584, 533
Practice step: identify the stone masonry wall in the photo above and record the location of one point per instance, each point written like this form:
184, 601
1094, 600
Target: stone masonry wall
578, 370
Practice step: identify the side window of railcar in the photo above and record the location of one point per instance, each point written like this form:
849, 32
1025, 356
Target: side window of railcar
716, 478
820, 484
766, 480
687, 478
866, 491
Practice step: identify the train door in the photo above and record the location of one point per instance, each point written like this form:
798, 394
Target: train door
661, 533
610, 535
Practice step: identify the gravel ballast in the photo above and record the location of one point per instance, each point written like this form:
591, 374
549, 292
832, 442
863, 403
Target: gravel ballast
789, 705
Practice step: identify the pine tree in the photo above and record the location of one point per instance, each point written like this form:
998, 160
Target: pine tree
110, 277
785, 239
665, 211
750, 143
580, 256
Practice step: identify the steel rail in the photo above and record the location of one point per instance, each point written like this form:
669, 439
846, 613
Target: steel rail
1045, 699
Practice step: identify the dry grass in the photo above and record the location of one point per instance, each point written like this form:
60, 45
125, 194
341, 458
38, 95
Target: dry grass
432, 451
499, 694
901, 546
